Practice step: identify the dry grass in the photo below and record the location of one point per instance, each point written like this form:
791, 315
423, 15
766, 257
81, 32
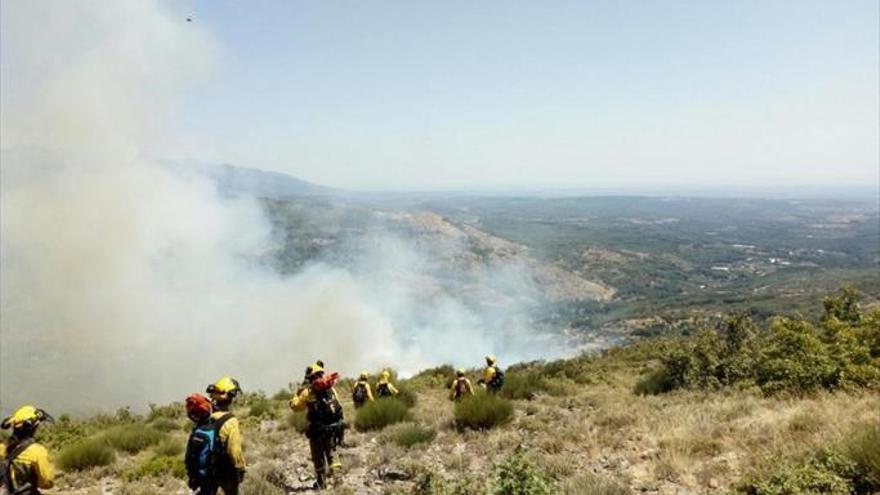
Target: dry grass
597, 439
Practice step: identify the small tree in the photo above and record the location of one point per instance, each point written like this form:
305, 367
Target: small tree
844, 307
517, 476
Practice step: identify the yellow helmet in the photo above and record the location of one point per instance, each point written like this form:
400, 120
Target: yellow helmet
314, 369
226, 386
459, 372
490, 359
386, 375
25, 417
364, 375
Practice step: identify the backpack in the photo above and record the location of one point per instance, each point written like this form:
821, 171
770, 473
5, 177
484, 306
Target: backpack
382, 390
325, 409
460, 387
360, 393
204, 450
6, 473
497, 381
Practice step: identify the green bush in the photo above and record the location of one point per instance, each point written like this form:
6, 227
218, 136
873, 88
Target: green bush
169, 447
168, 424
174, 410
654, 382
412, 434
132, 438
517, 476
158, 466
262, 407
406, 395
851, 467
794, 356
297, 421
430, 483
794, 359
282, 395
84, 454
380, 413
438, 377
482, 411
523, 384
863, 449
61, 433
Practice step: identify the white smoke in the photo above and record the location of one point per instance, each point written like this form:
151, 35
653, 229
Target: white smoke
124, 283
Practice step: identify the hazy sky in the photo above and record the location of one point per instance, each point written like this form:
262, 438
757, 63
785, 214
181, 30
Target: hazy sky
444, 94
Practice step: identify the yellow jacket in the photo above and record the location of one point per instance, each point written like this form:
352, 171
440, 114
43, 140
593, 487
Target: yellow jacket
467, 388
366, 384
489, 373
32, 465
303, 396
384, 382
230, 436
301, 399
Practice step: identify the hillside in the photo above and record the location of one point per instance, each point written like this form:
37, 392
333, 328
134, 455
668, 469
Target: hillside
662, 416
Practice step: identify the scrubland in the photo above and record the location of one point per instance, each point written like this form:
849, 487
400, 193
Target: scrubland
787, 407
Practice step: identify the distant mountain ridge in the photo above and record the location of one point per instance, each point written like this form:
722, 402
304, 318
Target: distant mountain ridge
234, 180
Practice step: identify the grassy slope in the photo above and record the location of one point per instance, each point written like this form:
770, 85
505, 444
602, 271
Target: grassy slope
682, 441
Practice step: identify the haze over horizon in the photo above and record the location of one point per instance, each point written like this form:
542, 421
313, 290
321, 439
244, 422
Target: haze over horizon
421, 96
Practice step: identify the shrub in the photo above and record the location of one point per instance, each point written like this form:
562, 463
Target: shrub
864, 450
297, 421
132, 438
168, 424
482, 411
439, 377
795, 356
380, 413
412, 434
174, 410
169, 447
254, 485
523, 384
84, 454
654, 382
282, 395
517, 476
406, 395
158, 466
591, 484
810, 477
264, 480
262, 407
851, 467
794, 359
431, 484
62, 432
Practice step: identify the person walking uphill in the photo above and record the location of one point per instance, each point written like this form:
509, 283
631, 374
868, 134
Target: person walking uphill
461, 386
384, 387
25, 463
324, 418
362, 393
230, 464
493, 375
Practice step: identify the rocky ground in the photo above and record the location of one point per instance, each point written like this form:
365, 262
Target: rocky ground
594, 438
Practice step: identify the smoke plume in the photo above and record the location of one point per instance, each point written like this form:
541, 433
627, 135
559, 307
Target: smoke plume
124, 282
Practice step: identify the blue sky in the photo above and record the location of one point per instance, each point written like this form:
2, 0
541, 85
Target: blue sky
432, 95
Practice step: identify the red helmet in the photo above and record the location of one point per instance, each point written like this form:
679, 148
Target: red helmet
198, 407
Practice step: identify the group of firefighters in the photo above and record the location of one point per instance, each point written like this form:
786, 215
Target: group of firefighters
214, 458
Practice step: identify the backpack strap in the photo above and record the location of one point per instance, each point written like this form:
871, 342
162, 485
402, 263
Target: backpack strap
219, 422
11, 455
